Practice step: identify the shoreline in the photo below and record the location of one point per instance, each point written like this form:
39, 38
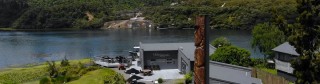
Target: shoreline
100, 29
43, 30
37, 65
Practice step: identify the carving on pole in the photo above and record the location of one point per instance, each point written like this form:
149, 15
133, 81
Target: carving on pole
200, 51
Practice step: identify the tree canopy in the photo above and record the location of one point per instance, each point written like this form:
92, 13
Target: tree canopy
53, 14
304, 36
232, 55
266, 36
220, 42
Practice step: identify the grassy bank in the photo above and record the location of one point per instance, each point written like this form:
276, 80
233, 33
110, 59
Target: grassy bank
58, 29
7, 29
95, 77
29, 74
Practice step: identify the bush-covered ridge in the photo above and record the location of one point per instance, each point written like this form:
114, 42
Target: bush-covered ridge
235, 14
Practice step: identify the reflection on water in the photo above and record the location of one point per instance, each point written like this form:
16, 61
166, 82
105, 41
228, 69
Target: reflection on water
33, 47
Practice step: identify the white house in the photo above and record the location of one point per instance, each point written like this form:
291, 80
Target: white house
284, 53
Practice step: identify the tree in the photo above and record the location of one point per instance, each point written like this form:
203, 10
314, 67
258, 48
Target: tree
304, 36
52, 69
266, 36
232, 55
220, 42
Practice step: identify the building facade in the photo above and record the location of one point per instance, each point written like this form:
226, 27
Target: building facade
168, 55
284, 54
222, 73
181, 56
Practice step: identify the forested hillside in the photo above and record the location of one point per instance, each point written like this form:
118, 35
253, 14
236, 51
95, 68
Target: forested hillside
10, 11
53, 14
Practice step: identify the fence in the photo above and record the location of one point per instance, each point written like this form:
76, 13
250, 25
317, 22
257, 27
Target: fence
268, 78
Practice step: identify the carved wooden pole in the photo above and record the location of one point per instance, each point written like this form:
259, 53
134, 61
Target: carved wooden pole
201, 64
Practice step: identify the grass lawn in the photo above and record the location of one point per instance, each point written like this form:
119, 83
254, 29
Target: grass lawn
30, 73
94, 77
5, 29
179, 81
19, 75
32, 82
272, 71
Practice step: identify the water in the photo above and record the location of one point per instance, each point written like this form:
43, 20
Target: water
17, 48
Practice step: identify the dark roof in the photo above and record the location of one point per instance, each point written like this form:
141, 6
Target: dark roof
286, 48
231, 73
186, 48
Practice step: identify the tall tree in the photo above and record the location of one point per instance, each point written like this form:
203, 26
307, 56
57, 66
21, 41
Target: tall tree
265, 37
304, 36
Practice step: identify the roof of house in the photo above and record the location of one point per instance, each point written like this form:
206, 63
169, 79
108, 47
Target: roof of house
187, 48
286, 48
231, 73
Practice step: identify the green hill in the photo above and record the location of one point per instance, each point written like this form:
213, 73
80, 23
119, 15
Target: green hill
54, 14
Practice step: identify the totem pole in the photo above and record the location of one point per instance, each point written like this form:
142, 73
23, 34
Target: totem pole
201, 64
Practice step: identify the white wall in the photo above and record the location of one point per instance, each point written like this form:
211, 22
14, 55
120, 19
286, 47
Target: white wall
283, 66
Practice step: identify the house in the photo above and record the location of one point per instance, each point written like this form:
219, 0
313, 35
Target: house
181, 56
168, 55
284, 53
222, 73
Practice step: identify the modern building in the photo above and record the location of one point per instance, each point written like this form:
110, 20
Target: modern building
222, 73
181, 56
169, 55
284, 53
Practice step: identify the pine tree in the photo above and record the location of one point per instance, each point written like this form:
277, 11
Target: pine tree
304, 36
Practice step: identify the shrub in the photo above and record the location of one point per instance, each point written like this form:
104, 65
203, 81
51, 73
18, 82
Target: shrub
65, 62
258, 62
67, 73
232, 55
160, 80
188, 77
220, 42
52, 69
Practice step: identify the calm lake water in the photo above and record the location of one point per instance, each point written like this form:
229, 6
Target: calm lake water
18, 48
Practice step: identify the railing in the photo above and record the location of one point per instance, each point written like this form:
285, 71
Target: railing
283, 66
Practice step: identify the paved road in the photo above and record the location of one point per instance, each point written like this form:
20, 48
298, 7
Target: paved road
126, 76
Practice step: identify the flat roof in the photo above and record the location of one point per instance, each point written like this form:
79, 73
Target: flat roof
231, 73
164, 46
186, 48
286, 48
